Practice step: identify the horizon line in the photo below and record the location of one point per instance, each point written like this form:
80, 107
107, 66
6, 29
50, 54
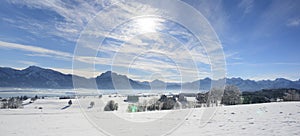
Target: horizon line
66, 73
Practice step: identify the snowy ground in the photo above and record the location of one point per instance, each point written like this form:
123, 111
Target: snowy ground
256, 119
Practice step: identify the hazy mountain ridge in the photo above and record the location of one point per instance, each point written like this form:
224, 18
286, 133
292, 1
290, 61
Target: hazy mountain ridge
36, 77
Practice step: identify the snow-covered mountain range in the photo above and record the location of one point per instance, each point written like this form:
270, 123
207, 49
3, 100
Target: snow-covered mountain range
37, 77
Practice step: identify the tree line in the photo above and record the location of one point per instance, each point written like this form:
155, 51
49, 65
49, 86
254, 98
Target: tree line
232, 96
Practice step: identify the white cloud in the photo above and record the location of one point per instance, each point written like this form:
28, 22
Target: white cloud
293, 22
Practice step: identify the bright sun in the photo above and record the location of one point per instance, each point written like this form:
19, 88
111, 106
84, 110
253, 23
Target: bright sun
147, 24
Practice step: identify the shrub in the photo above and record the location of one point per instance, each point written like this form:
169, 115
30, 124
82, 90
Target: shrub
163, 98
92, 104
202, 97
168, 104
24, 98
111, 106
164, 103
70, 102
153, 104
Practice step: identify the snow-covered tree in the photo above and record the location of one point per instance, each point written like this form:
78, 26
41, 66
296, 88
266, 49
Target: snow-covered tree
231, 96
111, 106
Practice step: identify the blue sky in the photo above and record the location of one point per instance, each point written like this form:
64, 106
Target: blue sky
260, 39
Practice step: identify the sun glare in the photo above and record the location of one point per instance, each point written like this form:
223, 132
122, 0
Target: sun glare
147, 24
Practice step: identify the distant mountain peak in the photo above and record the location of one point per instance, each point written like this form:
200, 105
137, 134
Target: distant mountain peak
157, 81
106, 74
207, 78
33, 68
110, 74
237, 78
281, 79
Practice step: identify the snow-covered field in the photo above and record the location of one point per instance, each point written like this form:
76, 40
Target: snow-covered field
256, 119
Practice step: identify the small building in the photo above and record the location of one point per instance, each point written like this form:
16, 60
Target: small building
132, 98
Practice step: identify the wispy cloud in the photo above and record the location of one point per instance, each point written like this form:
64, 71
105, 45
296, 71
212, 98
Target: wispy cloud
34, 49
278, 13
246, 5
273, 76
265, 64
215, 12
43, 52
136, 38
30, 63
87, 73
295, 22
74, 17
169, 39
233, 56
